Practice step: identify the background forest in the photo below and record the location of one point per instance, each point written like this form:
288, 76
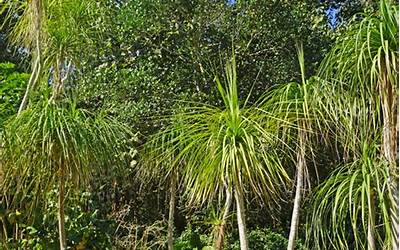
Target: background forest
189, 124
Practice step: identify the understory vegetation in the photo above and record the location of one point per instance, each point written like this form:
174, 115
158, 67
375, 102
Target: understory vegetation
195, 124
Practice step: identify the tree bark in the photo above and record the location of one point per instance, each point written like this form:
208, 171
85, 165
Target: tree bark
61, 215
297, 199
389, 103
241, 219
219, 244
171, 211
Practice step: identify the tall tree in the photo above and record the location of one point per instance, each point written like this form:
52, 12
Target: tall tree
226, 150
55, 143
294, 105
363, 71
54, 32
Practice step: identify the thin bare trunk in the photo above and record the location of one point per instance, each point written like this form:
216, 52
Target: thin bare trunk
32, 78
371, 223
241, 219
219, 244
36, 69
3, 223
297, 199
59, 80
61, 215
172, 211
394, 216
16, 231
389, 102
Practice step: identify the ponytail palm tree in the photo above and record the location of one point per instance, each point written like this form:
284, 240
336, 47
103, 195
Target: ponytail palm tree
53, 139
298, 108
55, 143
356, 197
362, 70
226, 151
365, 63
351, 209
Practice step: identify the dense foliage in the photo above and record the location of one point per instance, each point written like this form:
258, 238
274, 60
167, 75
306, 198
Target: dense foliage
195, 124
12, 84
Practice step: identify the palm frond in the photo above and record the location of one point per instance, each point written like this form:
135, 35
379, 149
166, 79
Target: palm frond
44, 137
354, 194
218, 145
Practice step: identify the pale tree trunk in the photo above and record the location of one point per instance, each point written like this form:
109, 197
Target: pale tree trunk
389, 102
5, 236
394, 216
172, 199
301, 164
61, 205
59, 80
371, 223
241, 219
61, 198
31, 83
219, 244
36, 6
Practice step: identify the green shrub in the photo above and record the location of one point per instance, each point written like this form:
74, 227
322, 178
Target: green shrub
85, 228
265, 239
262, 239
12, 86
191, 239
258, 239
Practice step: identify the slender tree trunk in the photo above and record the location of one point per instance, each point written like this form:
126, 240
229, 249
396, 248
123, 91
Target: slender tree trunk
3, 223
371, 223
297, 199
59, 80
394, 216
61, 215
219, 244
32, 78
389, 102
37, 10
389, 153
171, 211
241, 219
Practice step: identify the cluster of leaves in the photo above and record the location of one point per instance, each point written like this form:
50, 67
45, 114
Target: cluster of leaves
12, 85
153, 53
